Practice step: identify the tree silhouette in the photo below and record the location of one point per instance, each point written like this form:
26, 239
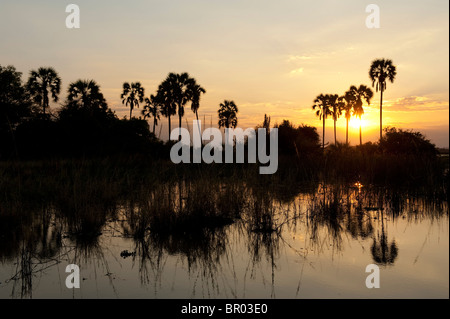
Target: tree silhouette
15, 106
176, 91
132, 95
348, 108
196, 91
86, 94
86, 102
336, 104
354, 98
39, 84
152, 108
380, 71
228, 114
322, 108
166, 97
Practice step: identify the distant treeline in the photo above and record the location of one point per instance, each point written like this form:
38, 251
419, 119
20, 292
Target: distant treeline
85, 127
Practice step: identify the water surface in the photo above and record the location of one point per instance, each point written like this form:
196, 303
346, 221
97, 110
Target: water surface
306, 242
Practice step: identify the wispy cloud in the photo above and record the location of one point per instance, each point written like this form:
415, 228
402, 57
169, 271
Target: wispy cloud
417, 104
294, 58
297, 71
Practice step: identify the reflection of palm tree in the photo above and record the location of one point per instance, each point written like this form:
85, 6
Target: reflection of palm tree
380, 71
152, 108
322, 108
132, 95
40, 82
383, 252
228, 114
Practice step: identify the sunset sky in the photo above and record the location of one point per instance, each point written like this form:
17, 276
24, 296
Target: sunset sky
269, 57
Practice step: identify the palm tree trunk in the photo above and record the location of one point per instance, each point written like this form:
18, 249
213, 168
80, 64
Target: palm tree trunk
45, 100
323, 135
199, 133
334, 132
360, 132
179, 124
169, 125
131, 109
346, 133
381, 113
154, 125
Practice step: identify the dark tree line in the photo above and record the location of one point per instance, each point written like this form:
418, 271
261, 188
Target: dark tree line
84, 125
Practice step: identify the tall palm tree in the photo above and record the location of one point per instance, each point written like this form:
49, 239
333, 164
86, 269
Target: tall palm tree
322, 108
336, 104
348, 108
380, 71
86, 94
196, 91
152, 108
183, 94
166, 97
132, 95
228, 114
357, 97
39, 84
178, 90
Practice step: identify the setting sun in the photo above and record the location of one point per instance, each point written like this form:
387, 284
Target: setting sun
355, 123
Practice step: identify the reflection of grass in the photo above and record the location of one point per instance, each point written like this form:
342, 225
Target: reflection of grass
184, 210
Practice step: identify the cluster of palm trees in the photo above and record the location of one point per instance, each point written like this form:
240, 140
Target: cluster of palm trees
351, 103
177, 90
172, 95
81, 93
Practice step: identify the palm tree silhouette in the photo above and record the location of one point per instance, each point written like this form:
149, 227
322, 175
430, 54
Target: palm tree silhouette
348, 108
166, 96
361, 93
177, 90
152, 108
336, 104
380, 71
354, 99
86, 94
196, 91
132, 95
228, 114
39, 84
322, 108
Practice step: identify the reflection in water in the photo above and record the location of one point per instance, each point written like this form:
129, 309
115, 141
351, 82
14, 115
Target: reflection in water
202, 226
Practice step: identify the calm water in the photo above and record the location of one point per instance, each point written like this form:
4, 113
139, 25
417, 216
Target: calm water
312, 242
